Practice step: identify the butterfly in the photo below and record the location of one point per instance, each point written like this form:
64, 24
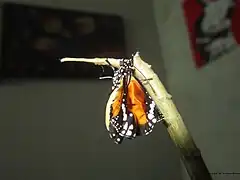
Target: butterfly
131, 111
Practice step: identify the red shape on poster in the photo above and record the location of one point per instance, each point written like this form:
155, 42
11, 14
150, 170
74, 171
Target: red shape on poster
213, 27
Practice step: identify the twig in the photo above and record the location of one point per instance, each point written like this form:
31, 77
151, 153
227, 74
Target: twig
177, 130
96, 61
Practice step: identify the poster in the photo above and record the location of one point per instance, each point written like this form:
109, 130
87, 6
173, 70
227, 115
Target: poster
213, 28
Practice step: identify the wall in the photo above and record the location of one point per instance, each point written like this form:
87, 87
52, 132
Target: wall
55, 129
208, 99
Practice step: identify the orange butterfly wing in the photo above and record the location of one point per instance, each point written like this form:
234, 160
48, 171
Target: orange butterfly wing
136, 102
116, 105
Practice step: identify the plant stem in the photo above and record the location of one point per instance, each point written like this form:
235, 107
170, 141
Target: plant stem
190, 154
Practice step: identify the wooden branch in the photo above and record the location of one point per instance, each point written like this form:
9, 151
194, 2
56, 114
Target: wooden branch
177, 130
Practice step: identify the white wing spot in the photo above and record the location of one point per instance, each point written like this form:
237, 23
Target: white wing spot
152, 105
124, 117
129, 133
125, 126
150, 116
154, 120
131, 126
123, 107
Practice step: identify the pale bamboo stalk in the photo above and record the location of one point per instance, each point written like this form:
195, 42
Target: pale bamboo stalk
176, 128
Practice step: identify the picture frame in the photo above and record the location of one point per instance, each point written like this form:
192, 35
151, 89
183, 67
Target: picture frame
35, 38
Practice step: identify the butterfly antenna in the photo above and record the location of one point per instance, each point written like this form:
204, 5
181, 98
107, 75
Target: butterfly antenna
106, 77
110, 64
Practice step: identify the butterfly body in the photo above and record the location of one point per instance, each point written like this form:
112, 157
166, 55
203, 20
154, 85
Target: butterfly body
132, 112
